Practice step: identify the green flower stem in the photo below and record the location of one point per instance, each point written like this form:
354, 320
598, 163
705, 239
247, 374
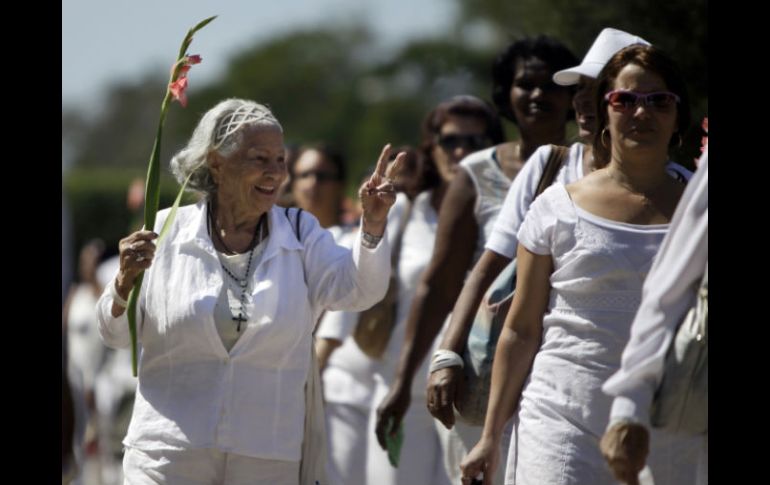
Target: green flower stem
152, 189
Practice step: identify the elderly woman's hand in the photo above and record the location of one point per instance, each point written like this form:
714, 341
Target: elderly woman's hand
625, 447
136, 253
378, 194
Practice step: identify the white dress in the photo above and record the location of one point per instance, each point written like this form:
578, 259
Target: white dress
599, 269
422, 453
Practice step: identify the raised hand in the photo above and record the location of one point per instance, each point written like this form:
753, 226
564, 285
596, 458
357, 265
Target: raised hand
378, 193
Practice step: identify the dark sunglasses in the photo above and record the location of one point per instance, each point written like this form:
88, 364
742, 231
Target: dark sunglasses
471, 142
319, 176
625, 100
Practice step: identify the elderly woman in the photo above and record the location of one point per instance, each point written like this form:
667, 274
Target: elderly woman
583, 252
227, 308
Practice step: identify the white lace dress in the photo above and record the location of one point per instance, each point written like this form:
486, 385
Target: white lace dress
599, 269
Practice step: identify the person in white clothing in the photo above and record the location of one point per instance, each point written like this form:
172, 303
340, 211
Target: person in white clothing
450, 131
669, 292
227, 307
524, 93
501, 245
584, 250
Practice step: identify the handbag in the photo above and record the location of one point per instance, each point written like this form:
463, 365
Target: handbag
473, 394
375, 325
681, 401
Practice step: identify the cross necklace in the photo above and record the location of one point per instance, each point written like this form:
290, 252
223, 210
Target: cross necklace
243, 283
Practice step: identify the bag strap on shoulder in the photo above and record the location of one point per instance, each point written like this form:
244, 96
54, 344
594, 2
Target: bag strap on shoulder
555, 160
296, 223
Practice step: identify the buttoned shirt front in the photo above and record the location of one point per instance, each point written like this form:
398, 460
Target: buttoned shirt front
192, 393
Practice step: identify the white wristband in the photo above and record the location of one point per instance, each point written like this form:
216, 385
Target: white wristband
116, 298
445, 358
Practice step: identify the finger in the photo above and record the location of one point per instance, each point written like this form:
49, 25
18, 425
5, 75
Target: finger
470, 470
380, 430
394, 168
445, 414
382, 162
145, 235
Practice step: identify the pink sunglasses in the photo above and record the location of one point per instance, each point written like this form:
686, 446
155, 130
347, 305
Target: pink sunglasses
623, 100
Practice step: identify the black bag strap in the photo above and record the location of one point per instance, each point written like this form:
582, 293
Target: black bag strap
555, 161
296, 223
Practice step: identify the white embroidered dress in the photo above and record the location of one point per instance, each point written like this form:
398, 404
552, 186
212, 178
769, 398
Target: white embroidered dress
599, 269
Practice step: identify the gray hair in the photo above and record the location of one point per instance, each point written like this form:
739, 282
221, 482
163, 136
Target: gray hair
219, 130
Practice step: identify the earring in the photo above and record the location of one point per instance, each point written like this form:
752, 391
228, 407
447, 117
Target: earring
604, 144
679, 145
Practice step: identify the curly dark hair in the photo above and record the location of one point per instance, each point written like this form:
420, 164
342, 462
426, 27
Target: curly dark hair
548, 49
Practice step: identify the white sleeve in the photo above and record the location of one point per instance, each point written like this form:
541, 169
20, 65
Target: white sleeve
503, 239
669, 291
114, 331
537, 231
339, 278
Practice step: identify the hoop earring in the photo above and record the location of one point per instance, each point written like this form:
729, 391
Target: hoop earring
679, 145
601, 137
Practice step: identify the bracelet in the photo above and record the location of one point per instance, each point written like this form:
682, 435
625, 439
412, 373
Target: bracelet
369, 241
116, 298
443, 358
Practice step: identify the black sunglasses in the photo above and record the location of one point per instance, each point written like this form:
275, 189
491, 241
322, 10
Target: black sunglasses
471, 142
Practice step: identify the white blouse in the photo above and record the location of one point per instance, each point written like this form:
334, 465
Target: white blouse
192, 392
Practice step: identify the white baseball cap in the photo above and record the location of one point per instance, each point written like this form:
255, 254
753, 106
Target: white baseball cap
607, 43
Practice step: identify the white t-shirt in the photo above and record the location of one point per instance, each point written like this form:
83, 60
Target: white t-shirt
520, 195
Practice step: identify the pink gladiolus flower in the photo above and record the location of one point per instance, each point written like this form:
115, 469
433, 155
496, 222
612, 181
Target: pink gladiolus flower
178, 89
178, 86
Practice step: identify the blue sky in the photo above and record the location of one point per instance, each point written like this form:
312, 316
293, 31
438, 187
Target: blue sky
105, 40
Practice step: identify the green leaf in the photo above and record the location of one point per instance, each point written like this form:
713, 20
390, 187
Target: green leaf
172, 213
152, 195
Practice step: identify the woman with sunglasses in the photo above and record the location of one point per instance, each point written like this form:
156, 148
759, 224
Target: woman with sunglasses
317, 183
584, 250
443, 383
352, 381
524, 93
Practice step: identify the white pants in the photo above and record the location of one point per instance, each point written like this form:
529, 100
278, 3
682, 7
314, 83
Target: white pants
204, 467
421, 460
348, 440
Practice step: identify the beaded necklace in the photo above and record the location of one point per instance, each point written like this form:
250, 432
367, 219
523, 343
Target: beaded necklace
243, 283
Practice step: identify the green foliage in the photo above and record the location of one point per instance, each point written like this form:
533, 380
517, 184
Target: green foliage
97, 202
679, 27
332, 84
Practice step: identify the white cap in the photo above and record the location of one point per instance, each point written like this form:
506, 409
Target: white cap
607, 43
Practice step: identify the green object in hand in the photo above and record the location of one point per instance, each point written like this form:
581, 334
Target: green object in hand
393, 442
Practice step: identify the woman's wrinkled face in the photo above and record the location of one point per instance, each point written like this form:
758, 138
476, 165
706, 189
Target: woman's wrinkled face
585, 108
538, 102
639, 126
458, 137
316, 181
250, 177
